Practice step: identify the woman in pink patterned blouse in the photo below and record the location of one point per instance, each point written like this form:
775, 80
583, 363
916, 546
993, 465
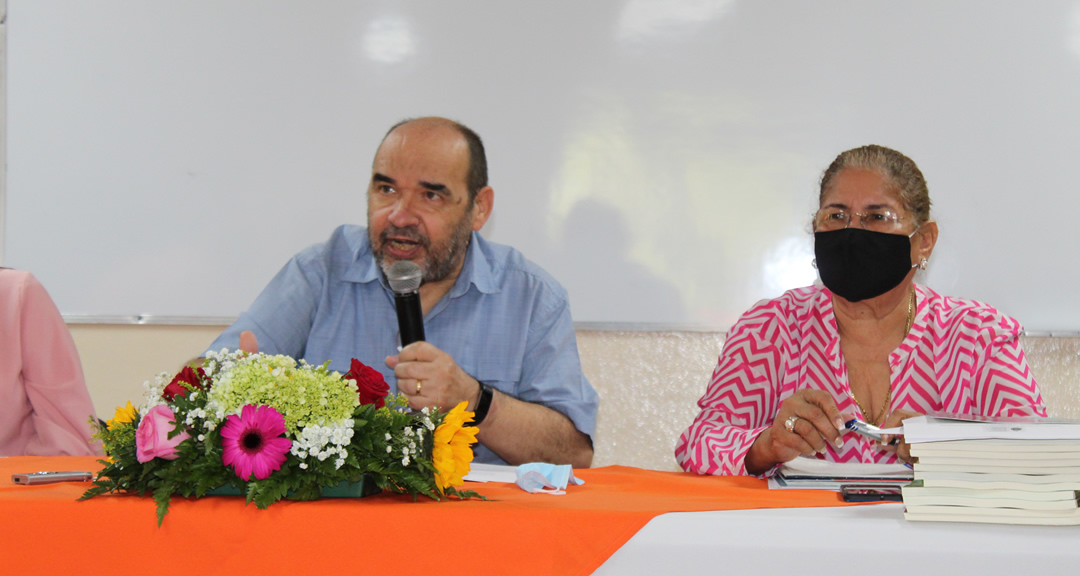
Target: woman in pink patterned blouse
869, 343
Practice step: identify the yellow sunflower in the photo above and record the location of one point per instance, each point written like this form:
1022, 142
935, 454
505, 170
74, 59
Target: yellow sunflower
453, 452
124, 414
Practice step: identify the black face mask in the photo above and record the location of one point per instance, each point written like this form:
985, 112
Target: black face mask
857, 264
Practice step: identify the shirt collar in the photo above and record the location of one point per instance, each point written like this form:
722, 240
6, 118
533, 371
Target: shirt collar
479, 270
363, 268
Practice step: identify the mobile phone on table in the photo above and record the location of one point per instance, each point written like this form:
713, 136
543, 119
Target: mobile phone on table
871, 493
31, 478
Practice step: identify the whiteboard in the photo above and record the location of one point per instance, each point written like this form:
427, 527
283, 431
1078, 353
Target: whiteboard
660, 158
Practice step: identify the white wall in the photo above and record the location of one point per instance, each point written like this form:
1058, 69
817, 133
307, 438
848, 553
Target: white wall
659, 157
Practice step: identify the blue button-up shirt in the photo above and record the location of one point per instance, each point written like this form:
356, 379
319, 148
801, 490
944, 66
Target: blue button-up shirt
505, 322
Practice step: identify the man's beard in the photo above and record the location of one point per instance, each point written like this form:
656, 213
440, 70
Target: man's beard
439, 260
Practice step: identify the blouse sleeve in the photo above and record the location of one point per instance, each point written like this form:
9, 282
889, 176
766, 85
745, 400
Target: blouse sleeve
742, 398
53, 378
1004, 384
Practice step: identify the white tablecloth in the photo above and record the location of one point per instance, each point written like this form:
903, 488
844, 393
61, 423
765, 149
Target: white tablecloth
861, 540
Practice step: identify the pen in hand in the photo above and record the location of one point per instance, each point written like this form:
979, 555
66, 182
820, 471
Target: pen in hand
873, 432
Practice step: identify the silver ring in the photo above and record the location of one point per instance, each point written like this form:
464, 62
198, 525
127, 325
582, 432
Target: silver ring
790, 423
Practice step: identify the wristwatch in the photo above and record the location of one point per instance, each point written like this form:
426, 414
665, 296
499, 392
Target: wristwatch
483, 404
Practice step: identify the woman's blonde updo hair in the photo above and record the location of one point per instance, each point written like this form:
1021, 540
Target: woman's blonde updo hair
901, 171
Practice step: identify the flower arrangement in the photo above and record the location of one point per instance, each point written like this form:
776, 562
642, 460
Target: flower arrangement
271, 428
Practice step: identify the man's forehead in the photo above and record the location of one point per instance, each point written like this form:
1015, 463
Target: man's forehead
432, 150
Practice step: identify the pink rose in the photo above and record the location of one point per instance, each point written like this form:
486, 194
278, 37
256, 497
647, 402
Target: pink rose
152, 438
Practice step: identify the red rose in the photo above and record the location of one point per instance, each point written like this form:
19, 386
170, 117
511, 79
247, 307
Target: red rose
187, 375
370, 384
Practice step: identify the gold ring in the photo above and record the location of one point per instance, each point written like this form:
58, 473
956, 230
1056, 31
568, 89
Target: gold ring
419, 386
790, 423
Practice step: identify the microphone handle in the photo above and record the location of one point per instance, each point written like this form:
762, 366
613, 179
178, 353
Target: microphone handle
410, 317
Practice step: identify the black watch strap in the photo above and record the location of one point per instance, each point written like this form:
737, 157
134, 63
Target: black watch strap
483, 404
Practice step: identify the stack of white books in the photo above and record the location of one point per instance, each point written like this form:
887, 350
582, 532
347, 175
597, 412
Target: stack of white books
1001, 471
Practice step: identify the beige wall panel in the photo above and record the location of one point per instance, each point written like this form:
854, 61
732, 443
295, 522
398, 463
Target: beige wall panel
117, 359
1056, 365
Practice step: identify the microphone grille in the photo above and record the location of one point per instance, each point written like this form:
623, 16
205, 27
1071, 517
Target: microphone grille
404, 277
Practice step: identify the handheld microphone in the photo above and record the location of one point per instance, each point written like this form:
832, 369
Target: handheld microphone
404, 278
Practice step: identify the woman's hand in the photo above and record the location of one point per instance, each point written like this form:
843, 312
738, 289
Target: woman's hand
902, 449
804, 424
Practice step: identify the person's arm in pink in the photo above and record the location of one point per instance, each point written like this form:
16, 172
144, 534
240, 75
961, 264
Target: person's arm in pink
1004, 384
741, 401
51, 376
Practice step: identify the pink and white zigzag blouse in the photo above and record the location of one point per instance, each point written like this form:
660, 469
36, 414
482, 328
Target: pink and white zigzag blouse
960, 356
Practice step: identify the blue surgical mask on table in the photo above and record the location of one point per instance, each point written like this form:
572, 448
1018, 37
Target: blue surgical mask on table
858, 264
547, 478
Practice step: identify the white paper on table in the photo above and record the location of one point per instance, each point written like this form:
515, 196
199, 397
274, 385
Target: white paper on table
819, 474
815, 467
491, 473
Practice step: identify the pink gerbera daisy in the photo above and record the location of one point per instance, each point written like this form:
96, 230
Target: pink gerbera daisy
253, 442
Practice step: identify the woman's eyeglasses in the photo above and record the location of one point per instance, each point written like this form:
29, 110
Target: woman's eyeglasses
875, 220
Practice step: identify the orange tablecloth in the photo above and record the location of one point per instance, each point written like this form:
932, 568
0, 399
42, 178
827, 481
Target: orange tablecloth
43, 528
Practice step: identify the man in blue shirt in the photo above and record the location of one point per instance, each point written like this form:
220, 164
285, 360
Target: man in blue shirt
498, 328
